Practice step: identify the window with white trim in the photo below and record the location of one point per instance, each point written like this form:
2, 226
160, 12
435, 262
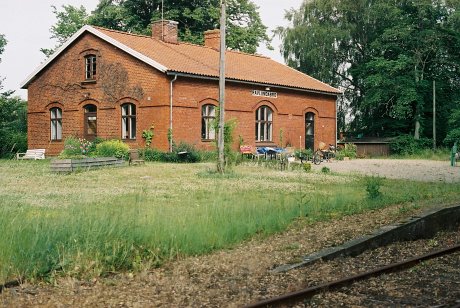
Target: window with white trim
90, 67
264, 123
208, 116
128, 121
56, 123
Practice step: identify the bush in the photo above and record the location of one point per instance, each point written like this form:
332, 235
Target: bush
189, 154
77, 148
408, 145
112, 148
304, 154
12, 142
307, 167
349, 150
373, 184
325, 170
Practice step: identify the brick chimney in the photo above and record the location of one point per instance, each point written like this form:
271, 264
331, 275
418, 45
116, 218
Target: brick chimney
212, 39
165, 30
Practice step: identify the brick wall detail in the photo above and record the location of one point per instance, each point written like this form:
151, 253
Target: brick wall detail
121, 79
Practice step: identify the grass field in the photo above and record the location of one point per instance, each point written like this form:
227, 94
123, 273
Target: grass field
92, 223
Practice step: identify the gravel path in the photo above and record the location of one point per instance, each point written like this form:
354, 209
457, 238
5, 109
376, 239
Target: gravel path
418, 170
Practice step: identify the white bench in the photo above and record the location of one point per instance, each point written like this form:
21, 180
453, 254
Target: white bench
32, 154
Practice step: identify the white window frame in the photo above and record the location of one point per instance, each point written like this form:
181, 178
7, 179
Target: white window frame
128, 121
208, 116
56, 124
264, 124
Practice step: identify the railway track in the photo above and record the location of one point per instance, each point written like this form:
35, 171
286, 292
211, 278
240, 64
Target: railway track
306, 293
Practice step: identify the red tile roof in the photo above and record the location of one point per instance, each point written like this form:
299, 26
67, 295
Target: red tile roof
197, 60
204, 61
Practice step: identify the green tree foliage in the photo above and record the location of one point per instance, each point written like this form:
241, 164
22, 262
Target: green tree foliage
453, 134
245, 28
69, 21
385, 55
13, 125
2, 49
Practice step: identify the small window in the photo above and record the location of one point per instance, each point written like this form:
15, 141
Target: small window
56, 123
208, 115
90, 67
264, 124
128, 121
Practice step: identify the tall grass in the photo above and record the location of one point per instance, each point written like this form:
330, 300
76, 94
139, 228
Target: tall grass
191, 212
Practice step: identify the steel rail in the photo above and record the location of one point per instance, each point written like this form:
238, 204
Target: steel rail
309, 292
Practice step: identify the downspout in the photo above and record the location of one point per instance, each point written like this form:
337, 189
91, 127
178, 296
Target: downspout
170, 136
336, 120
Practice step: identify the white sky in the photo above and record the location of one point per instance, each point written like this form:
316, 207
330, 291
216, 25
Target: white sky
26, 25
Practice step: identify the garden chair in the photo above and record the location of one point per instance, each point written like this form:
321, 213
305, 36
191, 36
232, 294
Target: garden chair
134, 157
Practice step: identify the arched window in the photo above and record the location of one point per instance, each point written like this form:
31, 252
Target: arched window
208, 115
56, 123
90, 67
90, 122
310, 131
128, 121
264, 123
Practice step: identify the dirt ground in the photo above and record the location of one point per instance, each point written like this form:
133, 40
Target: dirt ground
419, 170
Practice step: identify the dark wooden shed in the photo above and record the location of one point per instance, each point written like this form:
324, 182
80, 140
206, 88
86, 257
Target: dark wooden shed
369, 146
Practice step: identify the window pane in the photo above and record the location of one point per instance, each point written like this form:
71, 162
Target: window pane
269, 115
59, 129
212, 132
90, 108
53, 130
92, 125
133, 128
133, 109
212, 111
124, 128
124, 110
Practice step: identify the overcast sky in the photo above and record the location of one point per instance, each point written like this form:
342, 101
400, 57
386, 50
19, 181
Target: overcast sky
26, 25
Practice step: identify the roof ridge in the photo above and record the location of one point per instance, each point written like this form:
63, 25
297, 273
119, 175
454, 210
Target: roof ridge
181, 42
121, 32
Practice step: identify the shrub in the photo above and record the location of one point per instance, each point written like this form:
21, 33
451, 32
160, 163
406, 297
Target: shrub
305, 154
112, 148
408, 145
373, 184
325, 170
12, 142
307, 167
349, 150
190, 154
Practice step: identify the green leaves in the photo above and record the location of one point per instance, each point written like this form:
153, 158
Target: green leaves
385, 54
245, 28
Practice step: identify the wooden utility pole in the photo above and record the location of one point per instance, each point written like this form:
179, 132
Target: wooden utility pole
220, 137
434, 115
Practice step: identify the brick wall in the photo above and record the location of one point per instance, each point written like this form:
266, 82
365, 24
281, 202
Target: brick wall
121, 79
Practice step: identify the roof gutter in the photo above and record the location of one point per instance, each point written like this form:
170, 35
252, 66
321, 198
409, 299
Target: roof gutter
170, 133
172, 73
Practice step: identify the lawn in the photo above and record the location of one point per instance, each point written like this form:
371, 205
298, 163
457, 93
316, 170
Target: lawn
92, 223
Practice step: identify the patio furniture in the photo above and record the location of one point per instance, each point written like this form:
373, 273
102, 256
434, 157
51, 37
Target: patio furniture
32, 154
134, 157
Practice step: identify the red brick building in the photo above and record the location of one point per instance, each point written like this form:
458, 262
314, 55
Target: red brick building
112, 84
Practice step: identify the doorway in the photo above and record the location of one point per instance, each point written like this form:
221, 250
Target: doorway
90, 122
